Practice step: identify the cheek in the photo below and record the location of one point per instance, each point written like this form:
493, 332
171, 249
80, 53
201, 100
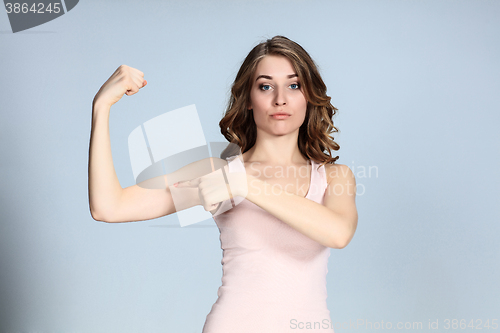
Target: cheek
259, 116
303, 109
301, 119
301, 103
257, 99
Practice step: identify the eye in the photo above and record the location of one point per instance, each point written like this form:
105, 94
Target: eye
295, 86
264, 87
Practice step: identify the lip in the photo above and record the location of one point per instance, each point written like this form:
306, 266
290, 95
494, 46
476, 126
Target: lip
280, 115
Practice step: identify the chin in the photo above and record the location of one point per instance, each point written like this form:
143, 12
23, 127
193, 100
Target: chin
281, 133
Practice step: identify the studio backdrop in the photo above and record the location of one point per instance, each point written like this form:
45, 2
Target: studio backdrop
416, 86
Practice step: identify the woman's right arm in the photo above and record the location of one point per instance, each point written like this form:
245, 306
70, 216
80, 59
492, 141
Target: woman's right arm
108, 201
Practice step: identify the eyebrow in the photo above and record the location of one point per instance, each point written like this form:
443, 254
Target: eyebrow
269, 77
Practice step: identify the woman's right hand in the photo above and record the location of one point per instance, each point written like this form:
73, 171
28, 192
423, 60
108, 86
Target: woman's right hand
125, 80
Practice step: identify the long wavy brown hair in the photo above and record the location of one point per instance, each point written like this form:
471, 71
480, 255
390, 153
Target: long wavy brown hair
314, 140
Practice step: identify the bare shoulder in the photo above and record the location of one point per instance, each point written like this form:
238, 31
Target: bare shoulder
336, 173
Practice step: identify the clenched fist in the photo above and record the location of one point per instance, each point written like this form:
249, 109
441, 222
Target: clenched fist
125, 80
213, 189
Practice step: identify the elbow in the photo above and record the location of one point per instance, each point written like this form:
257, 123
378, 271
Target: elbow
101, 214
340, 243
343, 237
99, 217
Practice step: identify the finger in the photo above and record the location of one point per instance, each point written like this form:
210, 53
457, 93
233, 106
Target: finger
134, 88
188, 183
138, 83
130, 92
213, 207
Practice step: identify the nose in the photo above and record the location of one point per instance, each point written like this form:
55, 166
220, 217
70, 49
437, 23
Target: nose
280, 98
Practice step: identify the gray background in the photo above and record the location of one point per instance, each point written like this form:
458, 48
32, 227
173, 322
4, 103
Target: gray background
416, 84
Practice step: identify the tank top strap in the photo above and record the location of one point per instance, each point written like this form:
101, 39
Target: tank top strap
235, 164
319, 182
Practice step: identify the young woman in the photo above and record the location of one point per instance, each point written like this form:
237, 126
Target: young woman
296, 202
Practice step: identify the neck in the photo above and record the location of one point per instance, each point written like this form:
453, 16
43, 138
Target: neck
276, 150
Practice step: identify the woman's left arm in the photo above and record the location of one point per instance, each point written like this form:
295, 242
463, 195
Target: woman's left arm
332, 224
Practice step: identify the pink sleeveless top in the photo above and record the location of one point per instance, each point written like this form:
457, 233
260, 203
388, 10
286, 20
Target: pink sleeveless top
274, 277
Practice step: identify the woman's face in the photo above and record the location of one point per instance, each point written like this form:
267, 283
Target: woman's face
276, 90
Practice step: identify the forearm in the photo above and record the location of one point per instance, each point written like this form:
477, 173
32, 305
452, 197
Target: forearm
103, 183
306, 216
